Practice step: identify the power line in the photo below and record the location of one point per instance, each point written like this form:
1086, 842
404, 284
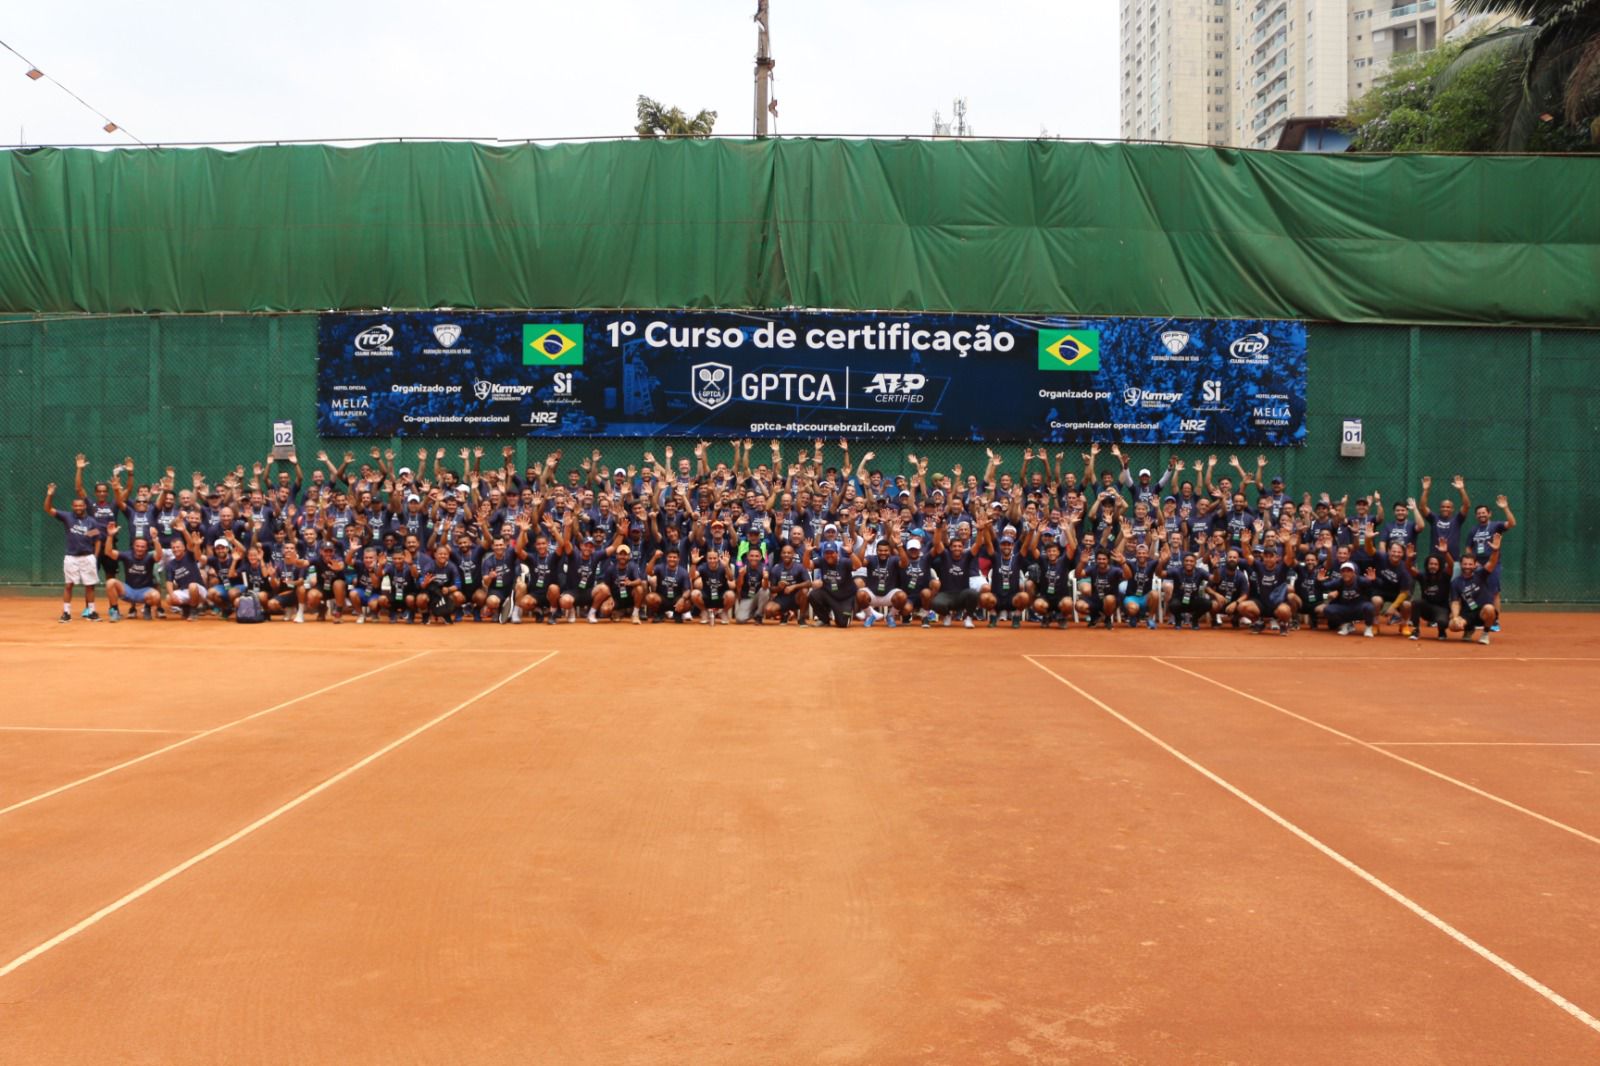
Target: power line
35, 74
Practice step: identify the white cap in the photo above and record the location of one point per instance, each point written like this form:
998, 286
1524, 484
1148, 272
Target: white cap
219, 543
413, 498
620, 470
831, 526
914, 543
1145, 472
405, 470
463, 490
1348, 566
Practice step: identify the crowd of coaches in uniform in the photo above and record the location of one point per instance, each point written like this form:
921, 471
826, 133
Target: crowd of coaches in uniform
795, 540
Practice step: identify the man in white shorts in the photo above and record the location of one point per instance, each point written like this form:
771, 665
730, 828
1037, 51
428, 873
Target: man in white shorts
79, 566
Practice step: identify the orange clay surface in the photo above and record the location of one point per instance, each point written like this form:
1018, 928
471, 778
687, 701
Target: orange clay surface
613, 844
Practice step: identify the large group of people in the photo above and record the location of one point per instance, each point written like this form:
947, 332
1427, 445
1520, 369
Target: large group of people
796, 540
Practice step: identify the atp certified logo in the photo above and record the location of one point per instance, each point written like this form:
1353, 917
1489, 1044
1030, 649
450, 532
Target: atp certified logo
375, 341
711, 384
1174, 341
447, 333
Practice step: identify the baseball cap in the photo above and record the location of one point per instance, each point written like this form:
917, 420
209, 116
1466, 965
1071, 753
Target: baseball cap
1144, 472
829, 526
1277, 479
914, 544
830, 546
219, 543
905, 492
619, 470
405, 470
1270, 549
412, 497
1347, 566
1008, 539
1001, 505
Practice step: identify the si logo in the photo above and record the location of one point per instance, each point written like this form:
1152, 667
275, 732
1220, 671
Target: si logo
560, 344
1069, 349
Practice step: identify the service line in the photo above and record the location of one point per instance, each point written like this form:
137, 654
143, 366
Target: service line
175, 745
266, 819
1405, 901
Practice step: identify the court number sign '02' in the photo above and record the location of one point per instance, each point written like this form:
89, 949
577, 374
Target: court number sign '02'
282, 440
800, 374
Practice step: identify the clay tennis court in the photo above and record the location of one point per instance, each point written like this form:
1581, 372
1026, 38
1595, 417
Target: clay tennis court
575, 844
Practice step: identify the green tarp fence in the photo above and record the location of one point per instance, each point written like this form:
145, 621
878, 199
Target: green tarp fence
1040, 227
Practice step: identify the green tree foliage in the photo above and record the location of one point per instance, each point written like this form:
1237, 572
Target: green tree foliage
656, 120
1414, 108
1553, 103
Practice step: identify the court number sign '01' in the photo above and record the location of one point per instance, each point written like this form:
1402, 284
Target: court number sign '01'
1352, 445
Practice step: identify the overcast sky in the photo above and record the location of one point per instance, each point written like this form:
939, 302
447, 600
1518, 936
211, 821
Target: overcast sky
171, 71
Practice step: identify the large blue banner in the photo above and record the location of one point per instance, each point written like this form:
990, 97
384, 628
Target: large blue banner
803, 373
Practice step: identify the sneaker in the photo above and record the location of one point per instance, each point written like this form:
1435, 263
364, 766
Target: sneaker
116, 615
705, 619
678, 618
1149, 623
994, 620
1109, 623
1194, 623
89, 613
636, 616
300, 614
890, 618
1016, 621
1495, 628
870, 617
927, 620
967, 622
593, 618
1369, 632
361, 619
1408, 631
1483, 638
1345, 630
66, 616
1412, 635
1442, 635
948, 621
147, 612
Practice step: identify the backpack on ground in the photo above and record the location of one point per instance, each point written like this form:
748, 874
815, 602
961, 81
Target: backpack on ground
249, 610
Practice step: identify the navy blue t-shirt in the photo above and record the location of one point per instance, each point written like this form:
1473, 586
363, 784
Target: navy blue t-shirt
83, 534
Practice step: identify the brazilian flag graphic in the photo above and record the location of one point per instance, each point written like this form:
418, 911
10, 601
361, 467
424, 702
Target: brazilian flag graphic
560, 344
1069, 349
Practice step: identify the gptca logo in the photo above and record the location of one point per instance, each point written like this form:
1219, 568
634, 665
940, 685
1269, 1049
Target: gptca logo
711, 384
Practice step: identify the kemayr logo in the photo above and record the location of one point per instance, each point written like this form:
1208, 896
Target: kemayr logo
1069, 349
558, 344
496, 393
1145, 398
375, 341
1251, 348
897, 388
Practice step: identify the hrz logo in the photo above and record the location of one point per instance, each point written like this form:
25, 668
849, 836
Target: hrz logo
1193, 425
375, 341
711, 384
897, 388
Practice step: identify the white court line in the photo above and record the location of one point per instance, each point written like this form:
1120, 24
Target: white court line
1485, 743
1405, 901
272, 816
161, 645
1224, 656
1342, 735
83, 729
197, 736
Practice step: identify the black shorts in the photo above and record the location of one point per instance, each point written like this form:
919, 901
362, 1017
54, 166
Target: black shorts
580, 597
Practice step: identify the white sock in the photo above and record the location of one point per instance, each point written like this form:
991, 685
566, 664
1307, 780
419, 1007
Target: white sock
66, 608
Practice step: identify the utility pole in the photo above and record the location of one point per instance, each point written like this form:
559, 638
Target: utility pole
764, 66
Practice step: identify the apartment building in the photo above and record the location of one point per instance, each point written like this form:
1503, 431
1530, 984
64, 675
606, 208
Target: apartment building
1175, 71
1234, 72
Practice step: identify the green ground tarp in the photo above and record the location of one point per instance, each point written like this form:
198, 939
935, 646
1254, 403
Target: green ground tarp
1042, 227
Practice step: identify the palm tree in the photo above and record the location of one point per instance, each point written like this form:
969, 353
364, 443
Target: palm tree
1559, 57
656, 121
